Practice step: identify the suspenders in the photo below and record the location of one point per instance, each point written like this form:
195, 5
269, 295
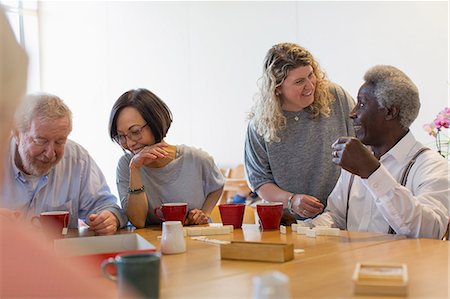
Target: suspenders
403, 180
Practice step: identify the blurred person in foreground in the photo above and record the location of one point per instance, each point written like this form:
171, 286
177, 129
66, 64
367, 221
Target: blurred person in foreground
28, 267
45, 171
390, 182
297, 115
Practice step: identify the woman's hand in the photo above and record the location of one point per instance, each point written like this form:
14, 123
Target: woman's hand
149, 154
306, 206
196, 216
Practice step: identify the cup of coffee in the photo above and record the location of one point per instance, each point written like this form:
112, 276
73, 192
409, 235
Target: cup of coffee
137, 275
175, 211
172, 239
55, 223
232, 214
269, 214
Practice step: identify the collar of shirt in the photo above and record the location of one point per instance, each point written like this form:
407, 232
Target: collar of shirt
401, 150
12, 151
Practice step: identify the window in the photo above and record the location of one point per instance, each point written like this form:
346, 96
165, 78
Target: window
23, 17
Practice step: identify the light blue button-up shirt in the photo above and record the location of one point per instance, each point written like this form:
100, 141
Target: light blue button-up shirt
76, 184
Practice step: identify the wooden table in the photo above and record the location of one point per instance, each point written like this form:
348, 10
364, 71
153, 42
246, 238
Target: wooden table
324, 270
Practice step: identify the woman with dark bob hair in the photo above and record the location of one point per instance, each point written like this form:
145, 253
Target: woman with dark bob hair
152, 172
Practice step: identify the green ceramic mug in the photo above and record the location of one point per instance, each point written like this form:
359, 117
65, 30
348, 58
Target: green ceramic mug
137, 274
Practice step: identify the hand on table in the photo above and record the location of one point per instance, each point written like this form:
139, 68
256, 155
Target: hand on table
196, 216
104, 223
353, 156
306, 205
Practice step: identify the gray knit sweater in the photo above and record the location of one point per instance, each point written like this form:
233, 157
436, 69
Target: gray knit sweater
301, 161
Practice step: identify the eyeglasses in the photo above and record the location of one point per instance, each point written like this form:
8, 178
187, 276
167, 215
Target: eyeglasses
134, 134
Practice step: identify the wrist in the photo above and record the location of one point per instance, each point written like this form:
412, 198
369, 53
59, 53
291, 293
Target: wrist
117, 222
134, 167
371, 170
290, 202
135, 190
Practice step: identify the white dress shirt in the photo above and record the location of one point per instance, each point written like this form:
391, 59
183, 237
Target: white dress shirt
420, 209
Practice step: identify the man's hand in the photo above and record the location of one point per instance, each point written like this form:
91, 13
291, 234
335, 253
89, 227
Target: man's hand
104, 223
353, 156
196, 216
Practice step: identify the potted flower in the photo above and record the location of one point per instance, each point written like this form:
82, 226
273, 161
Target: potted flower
437, 130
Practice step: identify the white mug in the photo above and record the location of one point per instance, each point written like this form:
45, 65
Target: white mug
271, 285
252, 232
172, 240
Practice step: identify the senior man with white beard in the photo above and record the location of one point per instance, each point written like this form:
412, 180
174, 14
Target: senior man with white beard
45, 171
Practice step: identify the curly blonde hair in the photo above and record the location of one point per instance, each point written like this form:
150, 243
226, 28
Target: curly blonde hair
266, 114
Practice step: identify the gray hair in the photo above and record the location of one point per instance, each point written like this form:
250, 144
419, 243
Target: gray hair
45, 106
392, 87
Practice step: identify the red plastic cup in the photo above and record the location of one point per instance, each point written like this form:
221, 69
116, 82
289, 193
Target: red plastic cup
270, 214
53, 222
232, 214
175, 211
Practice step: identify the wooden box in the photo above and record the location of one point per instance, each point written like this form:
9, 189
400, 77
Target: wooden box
94, 250
257, 251
380, 279
208, 230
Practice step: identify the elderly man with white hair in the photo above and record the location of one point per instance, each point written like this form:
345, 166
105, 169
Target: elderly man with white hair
389, 182
45, 171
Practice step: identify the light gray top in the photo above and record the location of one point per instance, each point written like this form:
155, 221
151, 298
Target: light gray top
189, 178
301, 161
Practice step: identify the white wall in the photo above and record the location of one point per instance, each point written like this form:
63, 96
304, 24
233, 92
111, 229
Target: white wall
203, 59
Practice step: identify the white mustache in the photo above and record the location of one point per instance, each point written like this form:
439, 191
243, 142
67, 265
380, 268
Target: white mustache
46, 160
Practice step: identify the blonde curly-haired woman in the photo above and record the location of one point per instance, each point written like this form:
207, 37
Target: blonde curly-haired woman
296, 117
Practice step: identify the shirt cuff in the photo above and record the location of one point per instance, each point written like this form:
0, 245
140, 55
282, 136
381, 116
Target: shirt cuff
120, 218
380, 182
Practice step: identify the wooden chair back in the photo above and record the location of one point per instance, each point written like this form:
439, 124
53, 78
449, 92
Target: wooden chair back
234, 177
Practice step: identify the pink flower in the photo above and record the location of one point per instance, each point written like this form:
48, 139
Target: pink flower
430, 129
436, 129
442, 121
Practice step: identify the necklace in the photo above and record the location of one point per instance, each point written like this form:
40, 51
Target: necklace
296, 114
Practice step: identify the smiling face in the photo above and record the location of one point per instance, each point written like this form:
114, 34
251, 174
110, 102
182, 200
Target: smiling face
297, 90
129, 123
369, 119
41, 147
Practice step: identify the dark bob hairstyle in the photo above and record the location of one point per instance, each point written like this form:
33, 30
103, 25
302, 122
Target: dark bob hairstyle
154, 111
